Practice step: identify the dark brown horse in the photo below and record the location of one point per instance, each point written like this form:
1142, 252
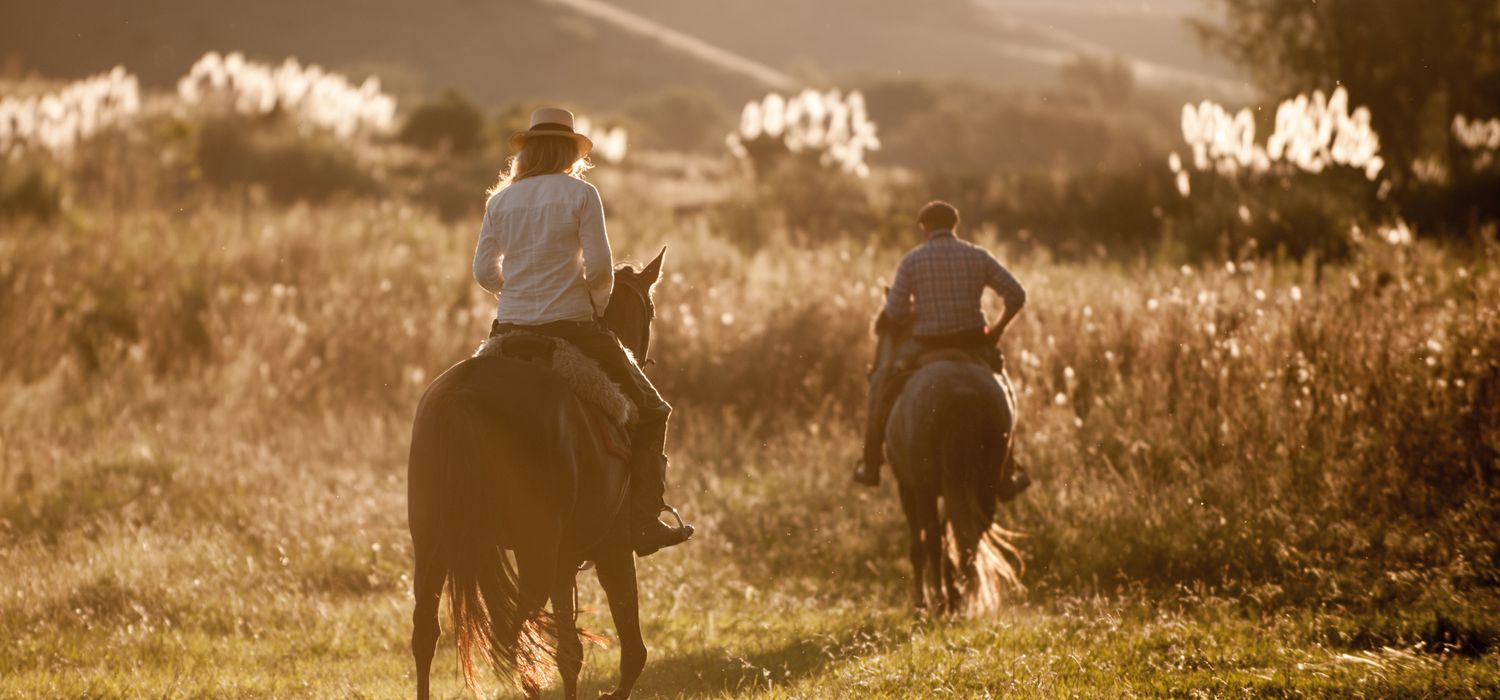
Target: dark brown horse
948, 438
504, 465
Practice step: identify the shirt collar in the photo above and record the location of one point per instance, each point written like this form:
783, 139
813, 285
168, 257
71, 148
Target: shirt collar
941, 233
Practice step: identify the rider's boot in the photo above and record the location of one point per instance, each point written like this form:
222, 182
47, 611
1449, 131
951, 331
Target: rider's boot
648, 484
867, 471
885, 386
993, 357
652, 534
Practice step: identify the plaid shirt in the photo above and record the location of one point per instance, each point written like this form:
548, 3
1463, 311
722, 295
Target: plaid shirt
948, 276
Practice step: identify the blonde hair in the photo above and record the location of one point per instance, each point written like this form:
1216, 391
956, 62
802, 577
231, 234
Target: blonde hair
542, 155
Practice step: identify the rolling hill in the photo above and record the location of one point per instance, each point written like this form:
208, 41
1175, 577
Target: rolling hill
598, 54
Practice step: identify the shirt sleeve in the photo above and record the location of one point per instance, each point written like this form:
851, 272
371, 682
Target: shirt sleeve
489, 253
598, 263
898, 304
998, 278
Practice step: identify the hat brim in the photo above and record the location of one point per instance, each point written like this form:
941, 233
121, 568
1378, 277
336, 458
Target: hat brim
585, 145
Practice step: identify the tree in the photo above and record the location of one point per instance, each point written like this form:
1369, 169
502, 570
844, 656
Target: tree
1415, 63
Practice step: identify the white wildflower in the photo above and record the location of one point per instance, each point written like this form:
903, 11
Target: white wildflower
1312, 132
832, 124
308, 93
58, 122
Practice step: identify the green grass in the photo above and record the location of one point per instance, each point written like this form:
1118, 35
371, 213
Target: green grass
280, 590
798, 650
131, 612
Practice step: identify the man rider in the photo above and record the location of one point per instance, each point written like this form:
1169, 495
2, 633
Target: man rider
938, 289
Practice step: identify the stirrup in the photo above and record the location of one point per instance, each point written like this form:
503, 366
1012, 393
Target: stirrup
675, 515
683, 531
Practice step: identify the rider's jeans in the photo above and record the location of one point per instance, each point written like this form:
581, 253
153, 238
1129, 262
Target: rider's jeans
648, 461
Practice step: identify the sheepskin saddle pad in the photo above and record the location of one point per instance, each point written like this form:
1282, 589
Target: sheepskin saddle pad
584, 375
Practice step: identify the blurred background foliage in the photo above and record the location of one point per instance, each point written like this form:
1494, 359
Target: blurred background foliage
1074, 165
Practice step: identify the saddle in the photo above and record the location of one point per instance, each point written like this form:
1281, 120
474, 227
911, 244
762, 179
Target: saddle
973, 356
614, 411
903, 367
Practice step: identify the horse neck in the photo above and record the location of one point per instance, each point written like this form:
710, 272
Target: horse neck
628, 321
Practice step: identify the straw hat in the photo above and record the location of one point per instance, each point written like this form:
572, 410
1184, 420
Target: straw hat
550, 121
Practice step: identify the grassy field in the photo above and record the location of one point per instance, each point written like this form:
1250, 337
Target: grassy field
1252, 479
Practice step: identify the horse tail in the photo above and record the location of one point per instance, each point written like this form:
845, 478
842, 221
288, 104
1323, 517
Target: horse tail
970, 462
484, 590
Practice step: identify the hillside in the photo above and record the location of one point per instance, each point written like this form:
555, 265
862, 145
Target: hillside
510, 50
993, 41
499, 52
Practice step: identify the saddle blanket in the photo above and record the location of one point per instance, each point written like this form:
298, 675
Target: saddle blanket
586, 378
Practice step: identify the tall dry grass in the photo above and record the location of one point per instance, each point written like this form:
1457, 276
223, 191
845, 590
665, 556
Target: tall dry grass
1265, 423
204, 416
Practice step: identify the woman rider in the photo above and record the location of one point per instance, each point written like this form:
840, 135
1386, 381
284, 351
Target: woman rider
543, 251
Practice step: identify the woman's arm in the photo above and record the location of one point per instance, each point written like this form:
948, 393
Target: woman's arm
488, 254
598, 263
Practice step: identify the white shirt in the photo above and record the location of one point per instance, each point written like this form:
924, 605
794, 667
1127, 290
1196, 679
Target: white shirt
543, 250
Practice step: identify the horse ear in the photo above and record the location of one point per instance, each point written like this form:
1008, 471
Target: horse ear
652, 271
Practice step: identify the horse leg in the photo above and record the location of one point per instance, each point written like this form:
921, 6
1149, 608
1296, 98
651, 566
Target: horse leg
535, 568
914, 526
970, 571
616, 569
951, 595
950, 544
933, 543
427, 588
569, 646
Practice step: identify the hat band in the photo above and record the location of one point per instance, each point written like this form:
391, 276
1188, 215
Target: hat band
552, 126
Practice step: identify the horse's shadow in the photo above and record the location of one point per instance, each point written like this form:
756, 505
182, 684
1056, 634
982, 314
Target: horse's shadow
712, 673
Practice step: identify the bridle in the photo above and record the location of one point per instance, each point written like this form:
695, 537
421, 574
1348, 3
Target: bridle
633, 284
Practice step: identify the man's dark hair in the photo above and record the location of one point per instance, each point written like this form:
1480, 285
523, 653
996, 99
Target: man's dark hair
938, 215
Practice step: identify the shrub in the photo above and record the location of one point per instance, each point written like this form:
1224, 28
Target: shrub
236, 152
454, 188
451, 123
798, 198
28, 190
680, 119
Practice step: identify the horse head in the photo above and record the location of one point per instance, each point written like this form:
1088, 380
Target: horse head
631, 307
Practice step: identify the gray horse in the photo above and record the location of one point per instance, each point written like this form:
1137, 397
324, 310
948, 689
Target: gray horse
948, 439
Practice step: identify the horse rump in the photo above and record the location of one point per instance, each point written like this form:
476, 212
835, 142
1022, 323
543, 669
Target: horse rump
491, 618
970, 457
